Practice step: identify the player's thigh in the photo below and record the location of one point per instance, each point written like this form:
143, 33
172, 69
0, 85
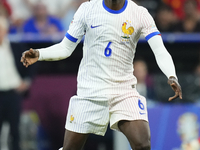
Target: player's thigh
137, 132
74, 141
129, 106
129, 115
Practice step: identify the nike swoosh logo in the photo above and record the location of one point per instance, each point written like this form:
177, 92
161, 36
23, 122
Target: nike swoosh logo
142, 113
95, 26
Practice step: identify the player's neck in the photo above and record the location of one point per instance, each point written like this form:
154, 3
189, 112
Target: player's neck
114, 4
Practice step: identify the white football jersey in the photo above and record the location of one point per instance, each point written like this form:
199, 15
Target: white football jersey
109, 47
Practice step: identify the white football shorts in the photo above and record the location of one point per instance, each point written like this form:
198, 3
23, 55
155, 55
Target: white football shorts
93, 116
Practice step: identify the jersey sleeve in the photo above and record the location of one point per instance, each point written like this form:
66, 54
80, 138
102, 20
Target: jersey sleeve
78, 26
149, 28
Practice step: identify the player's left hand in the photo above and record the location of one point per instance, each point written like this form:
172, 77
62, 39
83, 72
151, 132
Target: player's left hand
173, 82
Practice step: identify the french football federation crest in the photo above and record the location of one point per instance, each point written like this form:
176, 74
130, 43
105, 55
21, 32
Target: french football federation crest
127, 29
71, 118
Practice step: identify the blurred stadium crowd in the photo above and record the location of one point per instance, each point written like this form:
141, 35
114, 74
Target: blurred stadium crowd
54, 16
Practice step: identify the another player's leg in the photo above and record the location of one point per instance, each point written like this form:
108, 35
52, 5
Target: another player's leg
137, 133
1, 113
1, 110
13, 114
74, 141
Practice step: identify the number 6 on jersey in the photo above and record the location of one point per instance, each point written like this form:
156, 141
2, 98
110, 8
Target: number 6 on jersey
108, 50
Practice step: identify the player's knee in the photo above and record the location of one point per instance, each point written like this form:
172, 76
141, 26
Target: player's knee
68, 148
75, 147
143, 146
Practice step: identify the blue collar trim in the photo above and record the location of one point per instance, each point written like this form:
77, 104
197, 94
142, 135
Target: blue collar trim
115, 11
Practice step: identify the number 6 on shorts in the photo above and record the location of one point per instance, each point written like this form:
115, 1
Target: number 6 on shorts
140, 104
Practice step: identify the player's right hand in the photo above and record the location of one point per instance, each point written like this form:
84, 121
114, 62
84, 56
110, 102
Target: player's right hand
29, 57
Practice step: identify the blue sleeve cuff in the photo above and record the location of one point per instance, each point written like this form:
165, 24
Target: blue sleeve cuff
71, 38
151, 35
